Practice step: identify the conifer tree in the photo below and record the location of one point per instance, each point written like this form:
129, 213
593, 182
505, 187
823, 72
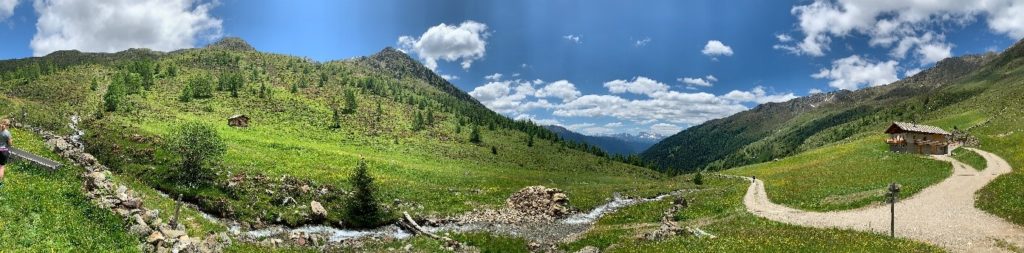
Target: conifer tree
417, 123
529, 141
362, 210
350, 101
474, 136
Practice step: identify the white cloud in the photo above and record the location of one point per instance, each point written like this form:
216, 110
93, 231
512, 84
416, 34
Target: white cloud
911, 72
706, 81
449, 77
560, 89
716, 48
887, 22
852, 72
494, 77
542, 122
466, 42
814, 91
643, 42
507, 96
665, 129
661, 105
639, 85
931, 53
7, 8
111, 26
573, 38
782, 37
757, 95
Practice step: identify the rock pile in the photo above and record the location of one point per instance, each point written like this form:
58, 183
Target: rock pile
145, 223
669, 228
528, 205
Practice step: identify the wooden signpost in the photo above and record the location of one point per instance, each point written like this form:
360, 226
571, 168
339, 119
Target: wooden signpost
894, 193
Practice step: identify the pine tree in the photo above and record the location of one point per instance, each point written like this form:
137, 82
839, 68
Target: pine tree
380, 112
417, 123
430, 117
494, 150
474, 136
699, 178
529, 141
362, 210
350, 101
295, 88
337, 118
263, 90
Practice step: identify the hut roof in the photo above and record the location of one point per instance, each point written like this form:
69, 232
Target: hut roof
911, 127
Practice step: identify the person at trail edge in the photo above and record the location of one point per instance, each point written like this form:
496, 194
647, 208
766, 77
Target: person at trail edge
5, 147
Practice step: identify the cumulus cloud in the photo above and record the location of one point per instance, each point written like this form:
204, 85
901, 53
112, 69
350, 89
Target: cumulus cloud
814, 91
782, 37
538, 121
888, 22
852, 72
7, 8
665, 129
573, 38
716, 48
560, 89
466, 42
591, 129
931, 53
111, 26
757, 95
706, 81
643, 42
493, 77
507, 96
518, 98
911, 72
450, 77
639, 85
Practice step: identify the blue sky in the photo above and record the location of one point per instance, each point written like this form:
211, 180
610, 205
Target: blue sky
597, 67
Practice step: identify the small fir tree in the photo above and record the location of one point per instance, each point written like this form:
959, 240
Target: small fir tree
474, 135
362, 209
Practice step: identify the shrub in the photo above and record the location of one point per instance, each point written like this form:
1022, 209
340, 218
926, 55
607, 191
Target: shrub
362, 210
699, 178
474, 136
198, 145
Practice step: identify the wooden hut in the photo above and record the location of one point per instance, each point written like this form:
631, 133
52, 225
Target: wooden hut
239, 120
919, 139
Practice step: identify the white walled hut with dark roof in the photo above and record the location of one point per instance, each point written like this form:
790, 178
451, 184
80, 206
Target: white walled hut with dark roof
919, 139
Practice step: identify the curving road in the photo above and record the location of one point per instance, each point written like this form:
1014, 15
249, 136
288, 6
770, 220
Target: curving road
943, 214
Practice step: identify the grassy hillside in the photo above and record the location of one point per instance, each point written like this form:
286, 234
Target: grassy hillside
718, 209
776, 130
845, 175
981, 95
47, 211
412, 127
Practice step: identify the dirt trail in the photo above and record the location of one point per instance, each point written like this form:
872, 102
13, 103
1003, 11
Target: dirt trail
943, 214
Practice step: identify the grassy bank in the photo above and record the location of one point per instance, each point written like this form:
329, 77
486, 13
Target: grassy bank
845, 175
718, 210
45, 211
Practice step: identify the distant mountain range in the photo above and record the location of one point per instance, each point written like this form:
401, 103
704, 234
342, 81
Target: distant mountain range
621, 143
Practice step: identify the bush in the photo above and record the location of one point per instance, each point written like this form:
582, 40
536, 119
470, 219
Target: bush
699, 178
362, 210
198, 145
474, 136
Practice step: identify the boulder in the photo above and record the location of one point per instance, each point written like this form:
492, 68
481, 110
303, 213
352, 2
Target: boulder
540, 200
155, 237
317, 209
140, 230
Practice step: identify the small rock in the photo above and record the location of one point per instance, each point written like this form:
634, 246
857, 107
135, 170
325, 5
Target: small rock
317, 209
140, 230
155, 237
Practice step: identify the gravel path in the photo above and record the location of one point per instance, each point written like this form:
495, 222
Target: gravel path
943, 214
